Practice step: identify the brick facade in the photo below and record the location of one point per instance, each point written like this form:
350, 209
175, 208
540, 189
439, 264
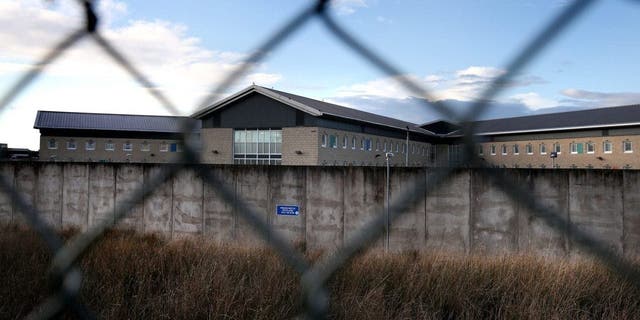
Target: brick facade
581, 158
61, 152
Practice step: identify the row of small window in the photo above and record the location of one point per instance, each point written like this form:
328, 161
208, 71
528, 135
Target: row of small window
90, 145
366, 144
575, 148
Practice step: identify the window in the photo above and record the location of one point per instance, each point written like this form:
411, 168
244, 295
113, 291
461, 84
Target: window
345, 141
480, 151
109, 146
607, 146
529, 148
258, 146
577, 148
516, 149
493, 149
367, 144
53, 144
361, 143
324, 140
556, 148
353, 143
591, 147
385, 147
145, 146
164, 147
90, 145
543, 148
627, 147
404, 148
333, 141
377, 145
71, 144
397, 147
504, 149
127, 146
178, 147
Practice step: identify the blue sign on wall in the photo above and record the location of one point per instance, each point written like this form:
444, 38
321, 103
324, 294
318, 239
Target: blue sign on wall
287, 210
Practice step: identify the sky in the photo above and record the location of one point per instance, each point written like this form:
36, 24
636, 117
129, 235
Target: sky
452, 48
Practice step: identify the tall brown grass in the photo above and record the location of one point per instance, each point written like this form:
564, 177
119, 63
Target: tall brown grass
145, 277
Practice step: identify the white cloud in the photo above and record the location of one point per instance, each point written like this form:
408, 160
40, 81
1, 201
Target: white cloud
601, 99
347, 7
384, 20
463, 85
534, 101
85, 79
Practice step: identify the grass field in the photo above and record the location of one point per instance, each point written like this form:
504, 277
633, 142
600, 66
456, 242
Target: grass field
145, 277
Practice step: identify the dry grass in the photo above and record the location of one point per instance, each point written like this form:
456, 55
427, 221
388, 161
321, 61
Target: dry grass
145, 277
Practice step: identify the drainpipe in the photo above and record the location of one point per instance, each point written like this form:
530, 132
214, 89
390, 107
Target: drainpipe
406, 156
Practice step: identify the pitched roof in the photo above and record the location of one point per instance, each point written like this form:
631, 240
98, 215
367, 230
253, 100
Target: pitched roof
316, 108
573, 120
108, 122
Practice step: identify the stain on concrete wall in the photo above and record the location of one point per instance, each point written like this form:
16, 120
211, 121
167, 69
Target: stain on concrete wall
49, 194
75, 196
447, 215
102, 190
129, 178
158, 206
187, 203
325, 207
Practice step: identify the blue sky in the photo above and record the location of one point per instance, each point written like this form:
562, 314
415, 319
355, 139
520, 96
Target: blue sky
454, 48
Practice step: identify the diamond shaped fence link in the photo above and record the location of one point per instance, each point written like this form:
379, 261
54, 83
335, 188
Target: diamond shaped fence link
66, 278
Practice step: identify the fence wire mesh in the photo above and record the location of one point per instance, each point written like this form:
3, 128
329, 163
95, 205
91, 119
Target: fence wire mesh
65, 277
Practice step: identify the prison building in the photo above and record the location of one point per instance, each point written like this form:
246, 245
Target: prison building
605, 138
100, 137
258, 125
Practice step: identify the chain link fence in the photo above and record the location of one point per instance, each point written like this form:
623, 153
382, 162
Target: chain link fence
66, 278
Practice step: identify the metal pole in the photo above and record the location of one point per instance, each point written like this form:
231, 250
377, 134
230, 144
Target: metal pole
406, 159
387, 226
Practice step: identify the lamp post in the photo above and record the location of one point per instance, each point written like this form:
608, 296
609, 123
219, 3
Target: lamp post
387, 156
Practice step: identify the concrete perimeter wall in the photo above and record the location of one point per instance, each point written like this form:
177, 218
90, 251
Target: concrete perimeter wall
468, 214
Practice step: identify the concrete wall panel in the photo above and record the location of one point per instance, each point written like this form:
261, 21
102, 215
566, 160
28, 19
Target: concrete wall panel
102, 191
129, 178
219, 216
75, 195
447, 215
6, 205
187, 203
325, 207
252, 188
49, 191
364, 189
25, 183
549, 187
494, 219
408, 231
287, 187
158, 206
631, 190
595, 202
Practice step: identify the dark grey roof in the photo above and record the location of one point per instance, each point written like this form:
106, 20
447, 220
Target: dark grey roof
573, 120
109, 122
350, 113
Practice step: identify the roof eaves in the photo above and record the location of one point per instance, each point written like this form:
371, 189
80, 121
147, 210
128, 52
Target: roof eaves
560, 129
412, 127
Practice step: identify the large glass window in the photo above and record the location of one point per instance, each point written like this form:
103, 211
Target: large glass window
259, 146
